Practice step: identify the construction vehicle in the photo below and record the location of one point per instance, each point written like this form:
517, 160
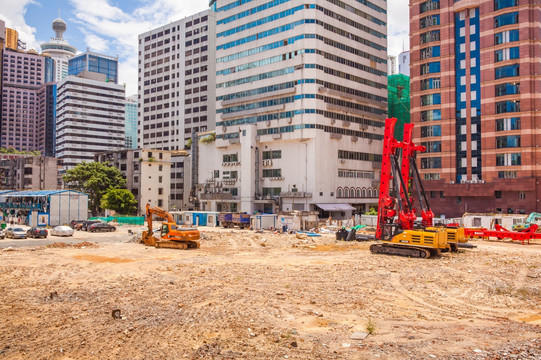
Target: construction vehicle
396, 226
533, 218
171, 236
229, 220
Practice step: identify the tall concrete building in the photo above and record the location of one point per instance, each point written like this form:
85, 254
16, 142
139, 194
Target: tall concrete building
90, 117
474, 69
59, 50
130, 125
301, 93
22, 78
177, 81
404, 63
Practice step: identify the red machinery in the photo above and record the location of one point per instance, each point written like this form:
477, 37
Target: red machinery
396, 212
502, 233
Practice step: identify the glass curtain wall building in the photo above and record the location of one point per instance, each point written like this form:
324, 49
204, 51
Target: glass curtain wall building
94, 62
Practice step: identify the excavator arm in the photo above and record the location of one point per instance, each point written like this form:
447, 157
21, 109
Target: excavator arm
171, 237
150, 211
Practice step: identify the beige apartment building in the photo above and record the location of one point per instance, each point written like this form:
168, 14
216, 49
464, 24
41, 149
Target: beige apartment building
27, 172
148, 174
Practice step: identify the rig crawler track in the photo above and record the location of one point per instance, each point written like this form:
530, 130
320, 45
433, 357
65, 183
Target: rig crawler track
409, 251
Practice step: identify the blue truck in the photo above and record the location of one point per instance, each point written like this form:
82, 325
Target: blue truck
229, 220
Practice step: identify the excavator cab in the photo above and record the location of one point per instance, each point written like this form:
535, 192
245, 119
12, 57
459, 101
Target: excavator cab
165, 230
170, 235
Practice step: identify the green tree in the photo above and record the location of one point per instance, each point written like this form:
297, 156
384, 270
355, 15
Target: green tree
372, 211
120, 200
94, 179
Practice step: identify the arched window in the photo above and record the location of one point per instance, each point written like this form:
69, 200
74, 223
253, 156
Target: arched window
339, 193
346, 192
369, 193
364, 192
358, 193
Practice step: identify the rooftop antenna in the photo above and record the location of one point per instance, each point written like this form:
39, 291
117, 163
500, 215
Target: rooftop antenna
403, 46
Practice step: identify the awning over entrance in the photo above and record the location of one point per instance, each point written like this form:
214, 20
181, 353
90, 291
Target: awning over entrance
336, 207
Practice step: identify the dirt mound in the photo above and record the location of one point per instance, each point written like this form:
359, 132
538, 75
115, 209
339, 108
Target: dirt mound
61, 245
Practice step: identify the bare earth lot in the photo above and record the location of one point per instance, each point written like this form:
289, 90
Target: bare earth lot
244, 295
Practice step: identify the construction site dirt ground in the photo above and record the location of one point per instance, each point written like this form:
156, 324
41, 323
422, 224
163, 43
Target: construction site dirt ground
247, 295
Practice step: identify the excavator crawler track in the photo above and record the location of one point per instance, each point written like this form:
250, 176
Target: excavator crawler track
409, 251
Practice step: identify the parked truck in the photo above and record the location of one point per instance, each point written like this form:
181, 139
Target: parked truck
229, 220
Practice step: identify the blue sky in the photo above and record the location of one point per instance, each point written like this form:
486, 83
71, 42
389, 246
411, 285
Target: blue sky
112, 26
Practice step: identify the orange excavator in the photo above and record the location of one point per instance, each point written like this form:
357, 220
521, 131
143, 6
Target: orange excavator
171, 236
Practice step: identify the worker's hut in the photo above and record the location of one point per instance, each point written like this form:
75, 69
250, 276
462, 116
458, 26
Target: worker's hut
298, 220
264, 221
44, 207
196, 218
487, 221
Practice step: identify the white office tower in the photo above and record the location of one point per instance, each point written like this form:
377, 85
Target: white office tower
59, 50
301, 90
89, 118
176, 82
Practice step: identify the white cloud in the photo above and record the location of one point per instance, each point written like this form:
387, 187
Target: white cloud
96, 43
12, 12
398, 26
121, 29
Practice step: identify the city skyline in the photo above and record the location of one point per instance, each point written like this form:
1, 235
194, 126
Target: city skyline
113, 29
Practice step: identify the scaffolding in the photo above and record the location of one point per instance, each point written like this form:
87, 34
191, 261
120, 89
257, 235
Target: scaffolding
398, 105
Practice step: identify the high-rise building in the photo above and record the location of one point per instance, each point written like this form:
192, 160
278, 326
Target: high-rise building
177, 81
12, 39
131, 122
301, 97
59, 50
404, 63
23, 77
96, 63
90, 117
474, 68
47, 114
2, 46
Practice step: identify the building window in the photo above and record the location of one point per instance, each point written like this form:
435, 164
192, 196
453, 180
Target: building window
507, 89
522, 196
432, 130
506, 54
160, 191
430, 20
272, 173
507, 71
508, 124
507, 106
508, 159
502, 4
430, 5
160, 202
338, 193
507, 174
431, 176
431, 115
506, 37
430, 68
432, 83
430, 36
160, 179
430, 99
458, 199
509, 141
431, 163
506, 19
432, 146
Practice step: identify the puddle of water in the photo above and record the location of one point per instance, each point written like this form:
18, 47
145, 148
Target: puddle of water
102, 259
